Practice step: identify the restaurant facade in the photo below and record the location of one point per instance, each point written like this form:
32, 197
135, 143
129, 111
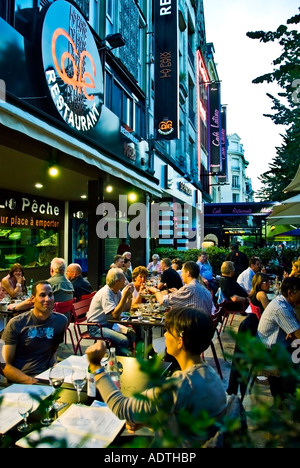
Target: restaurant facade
54, 117
68, 104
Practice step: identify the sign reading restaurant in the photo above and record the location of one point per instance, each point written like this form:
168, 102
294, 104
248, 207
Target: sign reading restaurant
72, 66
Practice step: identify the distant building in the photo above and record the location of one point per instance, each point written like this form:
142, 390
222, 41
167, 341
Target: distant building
239, 188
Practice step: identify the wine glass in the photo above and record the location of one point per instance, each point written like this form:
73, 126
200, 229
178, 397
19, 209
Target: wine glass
78, 380
56, 379
25, 405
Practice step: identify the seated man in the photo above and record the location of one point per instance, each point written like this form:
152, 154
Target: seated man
206, 271
231, 290
170, 278
32, 338
245, 278
61, 286
108, 304
277, 324
192, 294
80, 284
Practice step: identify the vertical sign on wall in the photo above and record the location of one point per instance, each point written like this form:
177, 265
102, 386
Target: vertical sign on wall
166, 108
222, 177
214, 129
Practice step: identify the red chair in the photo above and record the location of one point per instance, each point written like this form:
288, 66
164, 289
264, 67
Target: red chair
66, 308
255, 310
80, 310
87, 296
231, 308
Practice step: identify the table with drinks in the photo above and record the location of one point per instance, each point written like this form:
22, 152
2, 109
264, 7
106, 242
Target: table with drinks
57, 409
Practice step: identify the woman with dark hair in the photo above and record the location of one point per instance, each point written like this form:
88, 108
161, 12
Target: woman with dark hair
14, 284
260, 288
193, 389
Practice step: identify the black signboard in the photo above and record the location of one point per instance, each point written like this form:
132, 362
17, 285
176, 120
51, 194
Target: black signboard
214, 132
166, 108
27, 211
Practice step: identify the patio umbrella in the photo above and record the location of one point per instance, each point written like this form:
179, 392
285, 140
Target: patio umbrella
286, 213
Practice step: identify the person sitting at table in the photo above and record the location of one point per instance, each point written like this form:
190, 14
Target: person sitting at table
230, 288
14, 284
279, 325
245, 278
260, 288
177, 265
170, 279
154, 266
139, 278
108, 304
193, 389
295, 269
192, 294
62, 288
80, 284
127, 270
32, 338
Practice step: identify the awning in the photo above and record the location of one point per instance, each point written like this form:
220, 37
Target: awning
295, 184
24, 122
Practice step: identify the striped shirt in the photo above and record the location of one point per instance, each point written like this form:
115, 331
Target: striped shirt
192, 294
277, 321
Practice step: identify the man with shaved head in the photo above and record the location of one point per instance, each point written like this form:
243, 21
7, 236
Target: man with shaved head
80, 284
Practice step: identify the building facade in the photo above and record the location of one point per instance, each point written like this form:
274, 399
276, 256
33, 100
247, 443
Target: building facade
80, 90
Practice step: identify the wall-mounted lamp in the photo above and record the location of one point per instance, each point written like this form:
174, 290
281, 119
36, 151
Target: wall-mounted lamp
114, 40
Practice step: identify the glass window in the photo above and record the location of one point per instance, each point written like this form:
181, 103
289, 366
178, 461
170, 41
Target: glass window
117, 100
30, 247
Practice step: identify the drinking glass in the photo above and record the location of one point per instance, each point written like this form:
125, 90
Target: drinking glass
25, 405
78, 380
56, 379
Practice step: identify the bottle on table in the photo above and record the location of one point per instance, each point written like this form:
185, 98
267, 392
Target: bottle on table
91, 388
29, 289
112, 368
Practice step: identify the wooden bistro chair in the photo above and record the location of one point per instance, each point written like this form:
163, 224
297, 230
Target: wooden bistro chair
66, 308
80, 310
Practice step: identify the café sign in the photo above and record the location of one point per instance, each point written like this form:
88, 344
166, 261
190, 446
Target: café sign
72, 66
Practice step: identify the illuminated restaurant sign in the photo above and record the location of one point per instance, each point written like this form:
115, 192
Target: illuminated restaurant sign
166, 109
72, 66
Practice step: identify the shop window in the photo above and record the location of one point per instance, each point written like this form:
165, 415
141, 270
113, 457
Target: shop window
24, 13
30, 247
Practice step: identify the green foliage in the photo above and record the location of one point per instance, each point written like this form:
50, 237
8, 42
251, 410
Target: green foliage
286, 109
216, 255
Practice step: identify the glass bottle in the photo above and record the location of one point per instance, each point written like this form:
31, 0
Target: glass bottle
29, 289
112, 368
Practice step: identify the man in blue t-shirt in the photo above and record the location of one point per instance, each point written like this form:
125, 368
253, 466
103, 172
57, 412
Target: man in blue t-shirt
32, 338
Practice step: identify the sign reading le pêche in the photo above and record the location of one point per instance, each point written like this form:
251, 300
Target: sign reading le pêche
26, 211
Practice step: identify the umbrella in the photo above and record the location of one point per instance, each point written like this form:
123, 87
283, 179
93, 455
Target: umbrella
286, 213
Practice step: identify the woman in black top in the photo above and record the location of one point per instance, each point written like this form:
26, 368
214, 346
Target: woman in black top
260, 288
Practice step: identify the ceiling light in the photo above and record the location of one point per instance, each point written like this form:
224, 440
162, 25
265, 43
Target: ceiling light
109, 188
84, 197
132, 197
39, 186
53, 171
